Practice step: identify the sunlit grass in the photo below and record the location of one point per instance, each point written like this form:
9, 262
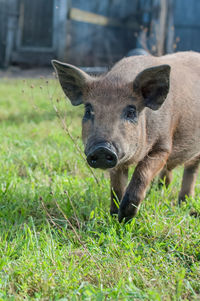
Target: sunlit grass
57, 240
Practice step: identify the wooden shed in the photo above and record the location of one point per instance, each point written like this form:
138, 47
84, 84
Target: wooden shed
89, 33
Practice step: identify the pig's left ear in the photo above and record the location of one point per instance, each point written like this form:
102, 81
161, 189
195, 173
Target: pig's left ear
73, 81
152, 85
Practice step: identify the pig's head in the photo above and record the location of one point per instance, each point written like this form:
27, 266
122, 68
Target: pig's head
111, 126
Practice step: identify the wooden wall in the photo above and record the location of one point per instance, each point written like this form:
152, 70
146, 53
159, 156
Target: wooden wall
93, 32
187, 24
3, 28
93, 44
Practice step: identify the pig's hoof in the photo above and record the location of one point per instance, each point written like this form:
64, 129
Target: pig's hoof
126, 215
127, 209
126, 218
181, 199
114, 211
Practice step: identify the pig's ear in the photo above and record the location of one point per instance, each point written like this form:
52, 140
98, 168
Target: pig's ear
153, 85
72, 80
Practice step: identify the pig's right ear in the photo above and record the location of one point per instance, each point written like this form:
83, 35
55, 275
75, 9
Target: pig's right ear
72, 80
152, 85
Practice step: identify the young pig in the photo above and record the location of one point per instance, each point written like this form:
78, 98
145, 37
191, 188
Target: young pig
145, 111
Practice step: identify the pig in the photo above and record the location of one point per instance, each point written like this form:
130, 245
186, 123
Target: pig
145, 112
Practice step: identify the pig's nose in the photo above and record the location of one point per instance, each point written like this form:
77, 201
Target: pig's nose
102, 157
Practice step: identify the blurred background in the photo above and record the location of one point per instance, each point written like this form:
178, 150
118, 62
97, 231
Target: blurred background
94, 32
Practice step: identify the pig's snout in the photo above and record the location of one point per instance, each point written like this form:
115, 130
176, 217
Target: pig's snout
102, 156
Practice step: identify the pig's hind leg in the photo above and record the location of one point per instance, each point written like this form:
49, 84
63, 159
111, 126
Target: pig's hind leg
189, 179
165, 177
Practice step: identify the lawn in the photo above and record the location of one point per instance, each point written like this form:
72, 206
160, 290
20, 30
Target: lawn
57, 240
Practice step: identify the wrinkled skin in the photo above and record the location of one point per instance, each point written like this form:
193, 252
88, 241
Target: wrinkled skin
144, 111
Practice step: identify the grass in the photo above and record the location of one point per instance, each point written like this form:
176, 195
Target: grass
57, 240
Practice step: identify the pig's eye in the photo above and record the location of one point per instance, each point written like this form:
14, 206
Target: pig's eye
88, 112
130, 113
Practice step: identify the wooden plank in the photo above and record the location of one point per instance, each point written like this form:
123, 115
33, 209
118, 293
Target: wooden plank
187, 24
170, 27
161, 27
3, 29
88, 17
189, 39
11, 26
60, 29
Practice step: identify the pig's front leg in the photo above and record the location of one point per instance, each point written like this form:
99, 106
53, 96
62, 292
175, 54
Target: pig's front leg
118, 182
142, 176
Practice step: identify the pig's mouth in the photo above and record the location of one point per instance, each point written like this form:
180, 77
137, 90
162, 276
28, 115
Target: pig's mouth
102, 155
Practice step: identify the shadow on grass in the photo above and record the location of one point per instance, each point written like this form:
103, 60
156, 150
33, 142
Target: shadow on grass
18, 207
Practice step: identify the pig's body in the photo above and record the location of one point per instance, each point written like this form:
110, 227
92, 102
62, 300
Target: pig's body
177, 123
164, 136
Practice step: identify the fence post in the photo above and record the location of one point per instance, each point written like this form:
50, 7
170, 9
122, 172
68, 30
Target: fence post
11, 28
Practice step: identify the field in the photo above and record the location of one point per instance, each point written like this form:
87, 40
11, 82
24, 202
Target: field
57, 240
